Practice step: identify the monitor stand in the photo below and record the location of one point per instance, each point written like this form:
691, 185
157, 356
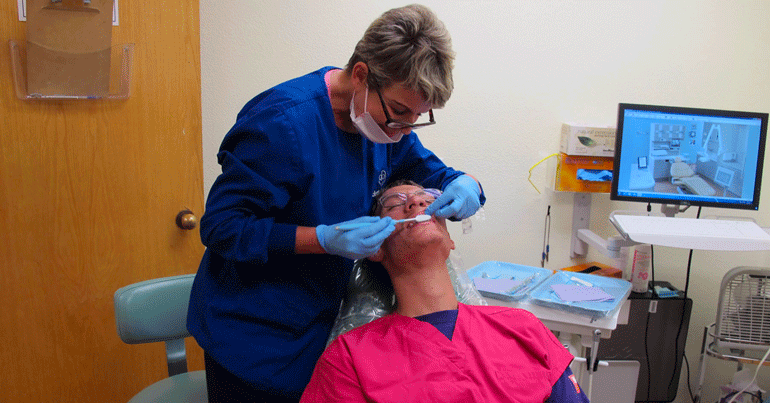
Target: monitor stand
670, 210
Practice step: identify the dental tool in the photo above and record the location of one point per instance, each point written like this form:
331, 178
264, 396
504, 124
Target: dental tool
348, 227
582, 282
524, 283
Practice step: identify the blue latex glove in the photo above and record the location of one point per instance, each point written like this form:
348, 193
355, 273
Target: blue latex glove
356, 243
459, 200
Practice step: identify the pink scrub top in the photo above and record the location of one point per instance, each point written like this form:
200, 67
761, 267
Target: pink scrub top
496, 354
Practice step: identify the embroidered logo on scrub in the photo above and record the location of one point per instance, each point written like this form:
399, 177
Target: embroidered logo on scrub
381, 179
574, 382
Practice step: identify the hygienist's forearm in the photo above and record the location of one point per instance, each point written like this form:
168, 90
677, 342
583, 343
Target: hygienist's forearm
307, 241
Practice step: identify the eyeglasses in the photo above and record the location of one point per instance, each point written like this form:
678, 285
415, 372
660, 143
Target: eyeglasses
399, 199
399, 124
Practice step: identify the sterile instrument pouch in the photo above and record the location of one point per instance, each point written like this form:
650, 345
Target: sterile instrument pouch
370, 294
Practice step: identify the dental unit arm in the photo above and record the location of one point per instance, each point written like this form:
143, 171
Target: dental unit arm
610, 247
582, 236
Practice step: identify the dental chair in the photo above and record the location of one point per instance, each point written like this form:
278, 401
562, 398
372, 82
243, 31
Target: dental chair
683, 176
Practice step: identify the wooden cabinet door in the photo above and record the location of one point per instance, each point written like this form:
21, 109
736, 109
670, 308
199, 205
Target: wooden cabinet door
89, 193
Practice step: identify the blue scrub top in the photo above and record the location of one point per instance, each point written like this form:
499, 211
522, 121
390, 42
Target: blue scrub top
261, 311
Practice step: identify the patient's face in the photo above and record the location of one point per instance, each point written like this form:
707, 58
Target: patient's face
409, 235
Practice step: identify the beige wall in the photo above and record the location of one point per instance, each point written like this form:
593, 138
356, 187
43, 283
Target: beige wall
522, 68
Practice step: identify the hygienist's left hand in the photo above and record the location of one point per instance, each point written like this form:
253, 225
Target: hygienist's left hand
460, 199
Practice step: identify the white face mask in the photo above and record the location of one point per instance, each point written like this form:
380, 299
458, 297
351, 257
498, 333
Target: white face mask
366, 125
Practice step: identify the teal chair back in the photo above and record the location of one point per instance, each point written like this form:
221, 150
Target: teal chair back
156, 311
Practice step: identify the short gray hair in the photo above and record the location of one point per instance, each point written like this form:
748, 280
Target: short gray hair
408, 45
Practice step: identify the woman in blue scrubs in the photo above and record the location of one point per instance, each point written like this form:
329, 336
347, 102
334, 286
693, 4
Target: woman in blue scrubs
302, 158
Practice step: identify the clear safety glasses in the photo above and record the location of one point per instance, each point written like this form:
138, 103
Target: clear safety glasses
399, 199
399, 124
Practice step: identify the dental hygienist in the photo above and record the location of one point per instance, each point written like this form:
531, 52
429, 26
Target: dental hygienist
303, 157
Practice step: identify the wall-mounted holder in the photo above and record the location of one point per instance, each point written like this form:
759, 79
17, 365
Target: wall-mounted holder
124, 65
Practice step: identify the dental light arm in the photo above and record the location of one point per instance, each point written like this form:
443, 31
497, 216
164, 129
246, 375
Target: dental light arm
705, 155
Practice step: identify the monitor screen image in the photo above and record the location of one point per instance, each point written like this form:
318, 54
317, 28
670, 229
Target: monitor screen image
688, 156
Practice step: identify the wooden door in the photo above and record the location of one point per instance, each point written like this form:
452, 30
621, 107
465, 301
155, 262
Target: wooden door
89, 192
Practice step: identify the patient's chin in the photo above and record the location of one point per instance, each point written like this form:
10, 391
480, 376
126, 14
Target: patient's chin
418, 237
424, 235
429, 243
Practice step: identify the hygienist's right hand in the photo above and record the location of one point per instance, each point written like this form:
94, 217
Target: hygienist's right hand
356, 243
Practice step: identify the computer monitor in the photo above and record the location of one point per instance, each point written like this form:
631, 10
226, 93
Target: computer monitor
688, 156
